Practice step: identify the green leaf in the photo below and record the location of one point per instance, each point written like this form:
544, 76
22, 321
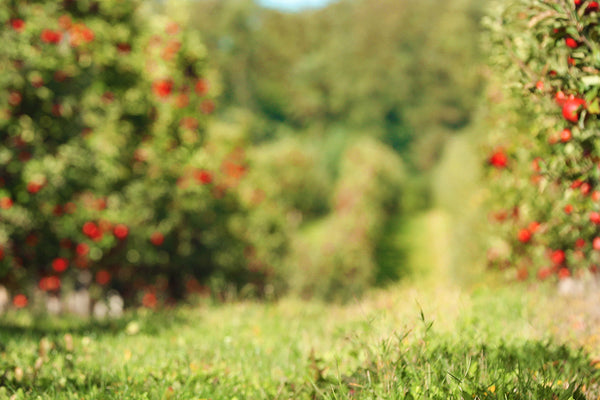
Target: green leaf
572, 31
592, 80
591, 94
594, 107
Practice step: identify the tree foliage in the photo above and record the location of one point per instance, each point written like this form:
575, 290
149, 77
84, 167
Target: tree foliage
113, 177
396, 67
104, 176
544, 170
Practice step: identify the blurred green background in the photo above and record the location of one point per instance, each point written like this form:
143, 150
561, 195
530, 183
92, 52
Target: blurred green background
284, 199
359, 86
341, 132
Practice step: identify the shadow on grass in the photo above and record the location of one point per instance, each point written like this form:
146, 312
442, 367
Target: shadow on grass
38, 326
50, 327
441, 368
394, 250
83, 382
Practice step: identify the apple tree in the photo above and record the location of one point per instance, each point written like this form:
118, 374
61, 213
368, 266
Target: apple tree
105, 180
544, 160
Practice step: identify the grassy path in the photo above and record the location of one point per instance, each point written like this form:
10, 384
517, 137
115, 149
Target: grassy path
427, 235
424, 338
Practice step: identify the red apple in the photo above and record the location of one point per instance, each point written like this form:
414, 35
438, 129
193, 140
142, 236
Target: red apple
190, 123
17, 24
103, 277
82, 249
79, 34
6, 203
157, 238
57, 110
121, 231
534, 226
65, 22
570, 109
20, 301
14, 98
37, 82
544, 273
182, 100
70, 207
539, 85
524, 235
557, 257
60, 76
207, 106
49, 283
560, 98
34, 187
60, 264
92, 231
564, 273
201, 87
202, 176
498, 159
172, 28
572, 43
58, 210
162, 88
585, 188
124, 47
50, 36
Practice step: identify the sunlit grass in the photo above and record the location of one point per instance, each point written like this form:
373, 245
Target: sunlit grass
421, 338
429, 342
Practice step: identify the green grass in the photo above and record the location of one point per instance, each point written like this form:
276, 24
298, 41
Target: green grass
424, 338
434, 343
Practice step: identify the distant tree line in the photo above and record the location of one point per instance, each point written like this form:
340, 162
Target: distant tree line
406, 71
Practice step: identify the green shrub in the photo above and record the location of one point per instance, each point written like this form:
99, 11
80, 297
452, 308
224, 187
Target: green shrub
334, 258
290, 173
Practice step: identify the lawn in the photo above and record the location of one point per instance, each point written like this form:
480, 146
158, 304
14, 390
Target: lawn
417, 339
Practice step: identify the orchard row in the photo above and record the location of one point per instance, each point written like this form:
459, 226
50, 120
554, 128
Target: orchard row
103, 112
546, 164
